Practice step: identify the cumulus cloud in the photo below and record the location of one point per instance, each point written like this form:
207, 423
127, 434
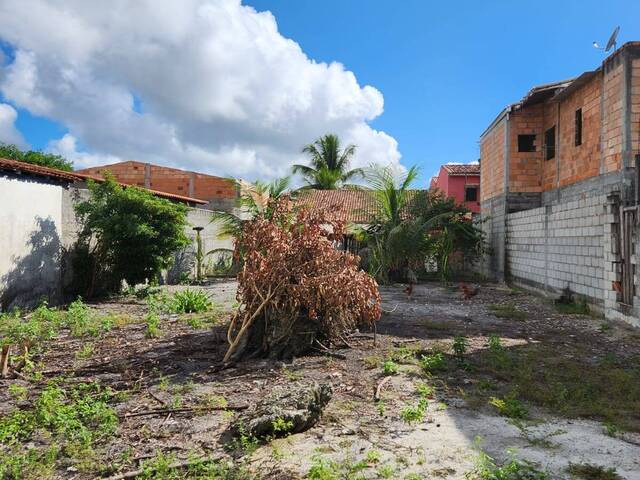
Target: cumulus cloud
8, 131
209, 85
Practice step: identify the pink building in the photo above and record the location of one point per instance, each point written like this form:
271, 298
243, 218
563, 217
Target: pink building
461, 182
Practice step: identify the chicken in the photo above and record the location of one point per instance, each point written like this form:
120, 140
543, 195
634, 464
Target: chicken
412, 280
469, 291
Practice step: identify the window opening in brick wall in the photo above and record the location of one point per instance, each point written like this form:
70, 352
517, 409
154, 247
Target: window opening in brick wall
550, 143
526, 143
578, 127
471, 194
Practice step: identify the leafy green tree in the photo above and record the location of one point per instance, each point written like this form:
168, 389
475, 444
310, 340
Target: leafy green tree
329, 164
128, 234
391, 241
412, 226
12, 152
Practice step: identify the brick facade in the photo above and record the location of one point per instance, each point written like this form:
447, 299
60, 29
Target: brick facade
170, 180
568, 215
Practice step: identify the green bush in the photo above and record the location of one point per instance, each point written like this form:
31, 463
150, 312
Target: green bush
12, 152
128, 234
433, 362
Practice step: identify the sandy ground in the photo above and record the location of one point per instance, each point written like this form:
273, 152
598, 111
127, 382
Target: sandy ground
183, 364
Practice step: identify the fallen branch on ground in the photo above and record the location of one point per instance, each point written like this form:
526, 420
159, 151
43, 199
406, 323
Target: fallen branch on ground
378, 389
162, 411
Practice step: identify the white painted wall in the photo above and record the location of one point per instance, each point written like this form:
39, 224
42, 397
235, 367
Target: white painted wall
30, 239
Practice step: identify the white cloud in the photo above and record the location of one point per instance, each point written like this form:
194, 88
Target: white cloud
67, 146
221, 90
8, 131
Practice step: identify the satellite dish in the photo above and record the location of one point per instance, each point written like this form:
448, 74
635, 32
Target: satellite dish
612, 40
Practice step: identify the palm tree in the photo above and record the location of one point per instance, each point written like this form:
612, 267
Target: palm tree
329, 164
254, 200
392, 239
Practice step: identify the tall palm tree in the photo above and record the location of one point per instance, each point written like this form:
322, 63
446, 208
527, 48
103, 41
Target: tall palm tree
328, 169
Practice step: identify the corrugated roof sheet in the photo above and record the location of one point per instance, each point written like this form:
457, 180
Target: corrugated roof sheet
469, 169
47, 172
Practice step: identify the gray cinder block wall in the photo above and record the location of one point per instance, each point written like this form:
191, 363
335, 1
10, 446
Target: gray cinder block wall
559, 246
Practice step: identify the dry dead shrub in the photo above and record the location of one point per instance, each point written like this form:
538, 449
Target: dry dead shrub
295, 287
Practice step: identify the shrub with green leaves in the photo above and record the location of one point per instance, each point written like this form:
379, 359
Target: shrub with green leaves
514, 469
510, 406
51, 160
433, 362
389, 367
191, 301
128, 234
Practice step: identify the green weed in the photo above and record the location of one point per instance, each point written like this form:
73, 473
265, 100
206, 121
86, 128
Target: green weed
589, 471
432, 362
389, 367
514, 469
152, 321
191, 301
510, 406
459, 347
85, 352
507, 310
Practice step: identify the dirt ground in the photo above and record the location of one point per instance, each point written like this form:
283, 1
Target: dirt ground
577, 377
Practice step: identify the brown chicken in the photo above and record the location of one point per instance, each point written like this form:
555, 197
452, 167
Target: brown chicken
469, 291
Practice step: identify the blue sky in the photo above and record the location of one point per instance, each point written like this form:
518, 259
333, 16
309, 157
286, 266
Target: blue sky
445, 69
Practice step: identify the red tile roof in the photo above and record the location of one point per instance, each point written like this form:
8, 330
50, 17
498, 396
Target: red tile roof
355, 206
23, 167
38, 170
469, 169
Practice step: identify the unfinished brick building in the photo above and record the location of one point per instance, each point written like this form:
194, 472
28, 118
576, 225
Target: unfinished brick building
219, 192
558, 186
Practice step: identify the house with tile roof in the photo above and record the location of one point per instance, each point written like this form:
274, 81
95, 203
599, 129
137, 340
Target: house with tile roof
461, 182
39, 223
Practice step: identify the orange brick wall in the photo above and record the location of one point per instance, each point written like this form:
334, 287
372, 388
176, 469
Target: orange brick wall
170, 180
524, 167
580, 162
612, 121
549, 167
492, 162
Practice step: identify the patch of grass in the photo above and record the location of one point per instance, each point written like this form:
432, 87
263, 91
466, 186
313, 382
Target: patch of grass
414, 414
159, 468
326, 469
604, 327
589, 471
371, 361
568, 382
514, 469
579, 307
389, 367
424, 390
19, 392
385, 471
191, 301
292, 375
73, 421
507, 310
85, 352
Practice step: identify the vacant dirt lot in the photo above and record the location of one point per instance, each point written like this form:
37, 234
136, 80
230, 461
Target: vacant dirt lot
502, 372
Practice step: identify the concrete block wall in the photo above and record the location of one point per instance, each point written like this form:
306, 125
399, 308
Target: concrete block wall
559, 246
493, 225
